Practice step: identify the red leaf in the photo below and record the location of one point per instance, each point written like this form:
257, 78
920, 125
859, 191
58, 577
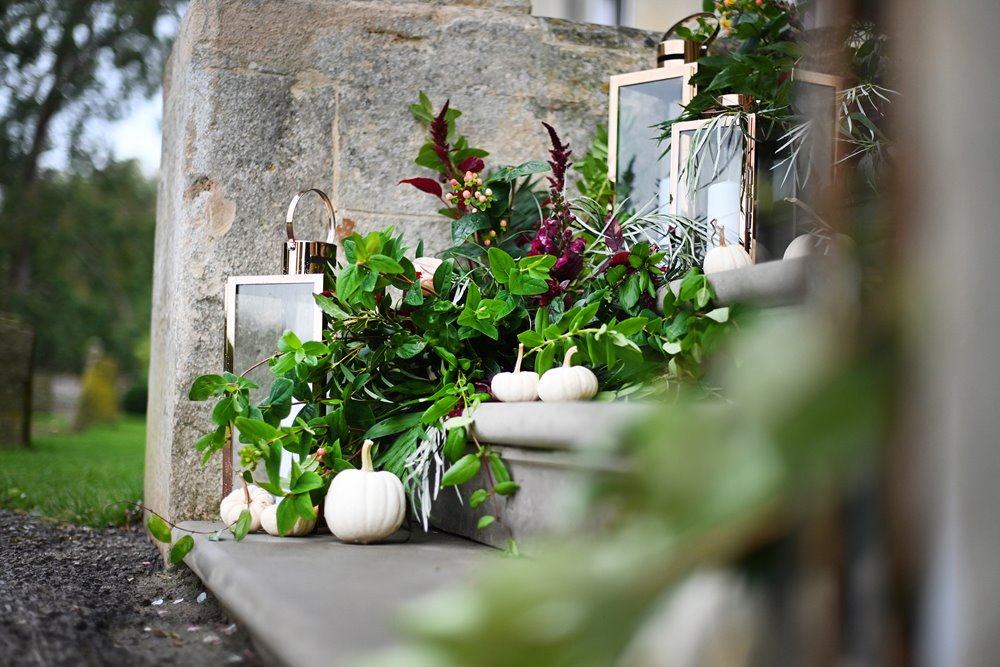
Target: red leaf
428, 185
473, 164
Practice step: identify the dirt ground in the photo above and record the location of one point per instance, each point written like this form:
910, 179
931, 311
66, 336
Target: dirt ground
81, 596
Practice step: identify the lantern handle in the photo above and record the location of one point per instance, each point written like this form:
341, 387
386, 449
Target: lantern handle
330, 215
699, 15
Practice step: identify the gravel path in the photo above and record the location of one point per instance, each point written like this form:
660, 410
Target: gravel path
81, 596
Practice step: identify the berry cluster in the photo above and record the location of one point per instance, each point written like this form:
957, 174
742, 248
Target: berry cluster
470, 192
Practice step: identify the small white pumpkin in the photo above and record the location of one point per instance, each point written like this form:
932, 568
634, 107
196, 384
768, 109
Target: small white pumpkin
725, 257
427, 266
269, 522
813, 244
568, 383
517, 386
364, 505
250, 497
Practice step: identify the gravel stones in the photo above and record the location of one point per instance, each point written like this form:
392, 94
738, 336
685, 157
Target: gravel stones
82, 596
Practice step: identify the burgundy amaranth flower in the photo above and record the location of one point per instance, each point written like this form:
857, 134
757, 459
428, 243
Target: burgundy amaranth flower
570, 263
560, 161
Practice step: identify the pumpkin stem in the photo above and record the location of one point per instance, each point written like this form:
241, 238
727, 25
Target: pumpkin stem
520, 356
569, 356
366, 456
722, 237
246, 490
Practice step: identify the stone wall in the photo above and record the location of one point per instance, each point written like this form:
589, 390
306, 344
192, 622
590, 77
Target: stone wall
262, 99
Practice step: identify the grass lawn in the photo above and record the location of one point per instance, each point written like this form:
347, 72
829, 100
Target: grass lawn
74, 477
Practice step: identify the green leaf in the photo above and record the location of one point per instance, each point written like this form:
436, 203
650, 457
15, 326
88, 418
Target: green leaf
339, 465
306, 482
314, 348
543, 361
478, 497
630, 292
181, 549
522, 284
454, 444
384, 264
330, 307
498, 468
458, 422
281, 391
510, 173
304, 506
253, 431
703, 296
501, 265
462, 471
289, 342
631, 326
720, 315
468, 225
159, 529
392, 425
531, 339
583, 317
485, 520
224, 411
442, 276
440, 408
506, 488
693, 282
216, 536
242, 526
349, 281
206, 386
287, 515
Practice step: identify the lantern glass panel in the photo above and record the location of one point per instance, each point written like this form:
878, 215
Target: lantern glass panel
639, 102
259, 309
713, 163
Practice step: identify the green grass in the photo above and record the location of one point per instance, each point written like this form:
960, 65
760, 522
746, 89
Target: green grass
75, 477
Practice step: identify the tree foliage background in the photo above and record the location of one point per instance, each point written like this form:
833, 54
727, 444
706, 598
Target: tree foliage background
76, 246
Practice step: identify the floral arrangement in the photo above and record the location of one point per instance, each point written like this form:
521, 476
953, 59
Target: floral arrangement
413, 342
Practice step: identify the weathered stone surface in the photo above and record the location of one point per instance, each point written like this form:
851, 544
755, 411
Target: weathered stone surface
16, 348
263, 99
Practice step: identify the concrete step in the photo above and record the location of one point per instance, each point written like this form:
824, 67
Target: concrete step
317, 602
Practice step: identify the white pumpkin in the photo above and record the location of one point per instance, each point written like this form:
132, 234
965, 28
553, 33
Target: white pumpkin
364, 505
813, 244
725, 257
233, 505
269, 522
427, 266
517, 386
567, 383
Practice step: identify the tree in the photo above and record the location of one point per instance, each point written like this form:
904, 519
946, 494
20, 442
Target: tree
66, 61
95, 264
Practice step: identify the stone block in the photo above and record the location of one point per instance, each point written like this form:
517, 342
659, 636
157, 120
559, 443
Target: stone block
262, 99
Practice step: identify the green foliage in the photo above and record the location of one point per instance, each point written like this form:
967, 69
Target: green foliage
593, 169
84, 478
89, 241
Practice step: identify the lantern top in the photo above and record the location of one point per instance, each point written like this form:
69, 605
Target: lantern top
684, 50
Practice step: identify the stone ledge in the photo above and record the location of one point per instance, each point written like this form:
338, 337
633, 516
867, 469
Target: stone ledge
572, 425
317, 602
778, 283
